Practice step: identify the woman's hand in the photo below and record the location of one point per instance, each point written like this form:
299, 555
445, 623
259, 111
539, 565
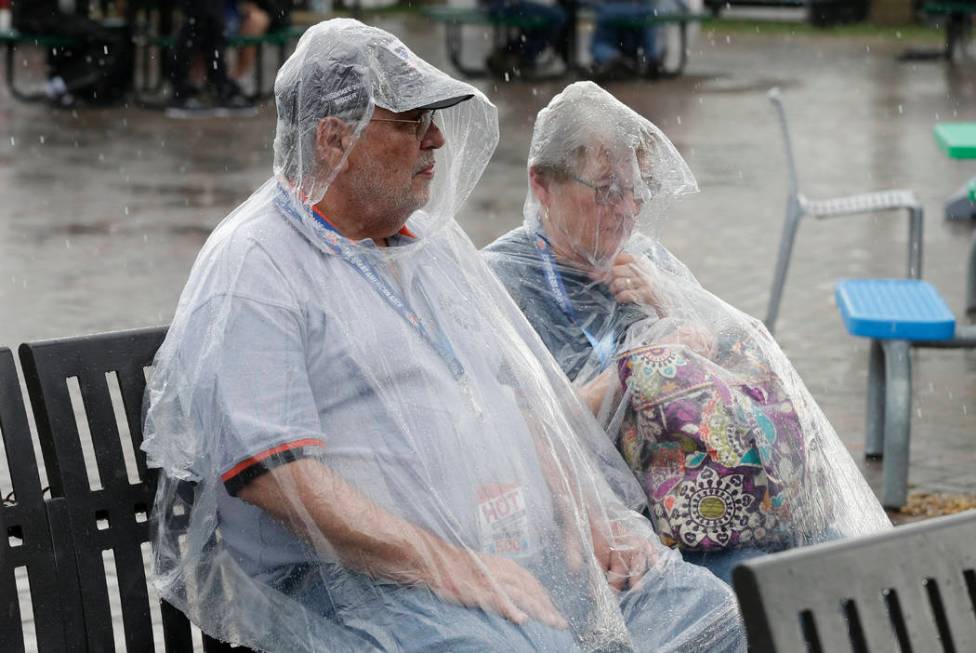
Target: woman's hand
593, 393
629, 283
623, 556
693, 336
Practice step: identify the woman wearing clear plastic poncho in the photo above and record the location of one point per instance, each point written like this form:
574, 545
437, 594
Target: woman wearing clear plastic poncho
734, 455
362, 445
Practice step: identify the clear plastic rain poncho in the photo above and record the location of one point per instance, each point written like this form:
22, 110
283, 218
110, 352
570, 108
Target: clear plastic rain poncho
363, 446
731, 449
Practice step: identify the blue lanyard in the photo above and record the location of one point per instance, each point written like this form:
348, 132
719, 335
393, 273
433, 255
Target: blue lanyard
604, 348
341, 246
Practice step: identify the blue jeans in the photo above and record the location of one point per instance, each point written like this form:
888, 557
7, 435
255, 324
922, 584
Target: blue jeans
612, 42
552, 17
721, 563
412, 619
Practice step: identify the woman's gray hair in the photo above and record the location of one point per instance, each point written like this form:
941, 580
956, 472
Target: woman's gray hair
583, 120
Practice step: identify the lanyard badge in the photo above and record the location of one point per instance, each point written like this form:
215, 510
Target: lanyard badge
341, 246
604, 347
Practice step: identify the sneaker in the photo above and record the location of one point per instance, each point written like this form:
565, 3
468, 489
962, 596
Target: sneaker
189, 107
55, 88
64, 101
236, 104
618, 68
502, 62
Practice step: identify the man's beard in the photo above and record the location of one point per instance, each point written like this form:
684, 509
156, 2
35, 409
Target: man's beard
389, 205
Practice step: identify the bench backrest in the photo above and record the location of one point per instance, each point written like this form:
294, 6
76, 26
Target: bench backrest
87, 394
909, 589
27, 550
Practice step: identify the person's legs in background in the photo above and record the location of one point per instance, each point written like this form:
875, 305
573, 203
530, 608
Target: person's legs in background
202, 32
614, 49
524, 51
254, 22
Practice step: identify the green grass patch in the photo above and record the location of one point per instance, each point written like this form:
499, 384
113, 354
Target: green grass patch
856, 30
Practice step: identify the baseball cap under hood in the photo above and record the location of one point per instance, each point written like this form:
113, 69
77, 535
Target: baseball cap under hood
344, 68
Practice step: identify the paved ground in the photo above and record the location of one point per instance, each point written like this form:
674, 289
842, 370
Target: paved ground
103, 210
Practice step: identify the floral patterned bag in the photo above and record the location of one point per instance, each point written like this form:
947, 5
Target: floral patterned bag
719, 460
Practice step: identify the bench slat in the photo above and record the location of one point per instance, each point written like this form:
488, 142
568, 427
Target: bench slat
27, 519
98, 520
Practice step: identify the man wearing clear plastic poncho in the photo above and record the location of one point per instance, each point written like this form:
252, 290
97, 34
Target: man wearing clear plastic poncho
734, 455
362, 445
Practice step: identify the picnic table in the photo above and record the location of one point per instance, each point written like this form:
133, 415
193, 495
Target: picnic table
148, 27
455, 18
959, 15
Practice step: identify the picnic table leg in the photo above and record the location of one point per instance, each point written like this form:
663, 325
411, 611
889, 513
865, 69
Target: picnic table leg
898, 422
9, 71
258, 71
683, 55
971, 282
454, 48
874, 427
954, 29
915, 225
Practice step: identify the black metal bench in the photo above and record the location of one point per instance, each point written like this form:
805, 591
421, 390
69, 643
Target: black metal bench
909, 589
455, 19
86, 394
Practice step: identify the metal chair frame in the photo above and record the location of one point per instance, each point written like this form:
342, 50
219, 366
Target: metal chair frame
799, 206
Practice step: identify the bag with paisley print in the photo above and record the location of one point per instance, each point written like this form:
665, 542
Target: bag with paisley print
719, 457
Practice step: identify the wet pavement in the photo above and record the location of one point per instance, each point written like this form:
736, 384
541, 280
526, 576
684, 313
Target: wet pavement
103, 211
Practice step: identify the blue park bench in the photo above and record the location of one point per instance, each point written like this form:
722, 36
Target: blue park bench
897, 315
